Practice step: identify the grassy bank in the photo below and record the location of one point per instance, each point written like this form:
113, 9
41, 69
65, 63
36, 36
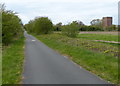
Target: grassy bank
12, 59
102, 64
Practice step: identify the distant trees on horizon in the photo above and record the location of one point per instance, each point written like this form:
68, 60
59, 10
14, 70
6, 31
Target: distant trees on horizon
43, 25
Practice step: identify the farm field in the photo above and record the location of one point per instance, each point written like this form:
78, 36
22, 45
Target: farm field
99, 58
95, 36
98, 35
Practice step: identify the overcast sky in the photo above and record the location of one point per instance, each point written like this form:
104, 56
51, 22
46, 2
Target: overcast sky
64, 10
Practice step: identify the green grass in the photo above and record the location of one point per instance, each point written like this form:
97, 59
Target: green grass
88, 44
113, 44
105, 37
12, 59
103, 65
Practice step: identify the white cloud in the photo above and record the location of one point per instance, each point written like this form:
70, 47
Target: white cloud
64, 10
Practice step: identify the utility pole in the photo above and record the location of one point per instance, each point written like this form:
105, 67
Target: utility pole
119, 14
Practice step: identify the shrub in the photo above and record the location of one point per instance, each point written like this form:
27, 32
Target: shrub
70, 30
90, 28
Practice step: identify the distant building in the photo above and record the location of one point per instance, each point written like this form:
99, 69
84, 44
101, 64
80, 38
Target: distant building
107, 21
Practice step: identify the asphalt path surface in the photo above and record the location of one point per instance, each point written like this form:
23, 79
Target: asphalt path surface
45, 66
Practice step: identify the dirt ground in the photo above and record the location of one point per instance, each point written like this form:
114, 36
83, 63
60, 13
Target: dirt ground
101, 32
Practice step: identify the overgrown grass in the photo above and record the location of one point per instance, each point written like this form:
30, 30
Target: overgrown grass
103, 65
105, 37
12, 62
88, 44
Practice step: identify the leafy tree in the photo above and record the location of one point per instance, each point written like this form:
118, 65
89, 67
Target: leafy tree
43, 25
78, 23
40, 25
11, 27
30, 26
58, 26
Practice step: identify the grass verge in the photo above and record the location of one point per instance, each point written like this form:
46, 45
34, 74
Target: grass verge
101, 64
12, 62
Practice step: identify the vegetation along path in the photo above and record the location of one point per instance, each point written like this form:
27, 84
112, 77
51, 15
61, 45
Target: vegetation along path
45, 66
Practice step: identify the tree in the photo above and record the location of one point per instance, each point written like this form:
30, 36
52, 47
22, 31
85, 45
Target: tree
2, 7
40, 25
79, 23
11, 27
43, 25
97, 23
30, 26
58, 26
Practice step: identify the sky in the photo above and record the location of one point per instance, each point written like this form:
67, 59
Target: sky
119, 13
64, 11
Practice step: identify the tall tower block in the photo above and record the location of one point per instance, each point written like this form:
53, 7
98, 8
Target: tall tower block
107, 21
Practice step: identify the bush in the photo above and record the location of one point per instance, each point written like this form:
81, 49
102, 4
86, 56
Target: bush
111, 28
70, 30
90, 28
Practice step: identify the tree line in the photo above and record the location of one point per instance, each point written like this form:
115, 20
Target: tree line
43, 25
96, 25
